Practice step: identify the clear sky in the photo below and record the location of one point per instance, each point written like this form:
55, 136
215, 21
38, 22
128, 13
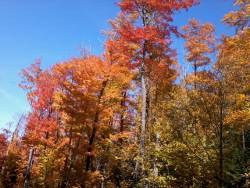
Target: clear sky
55, 30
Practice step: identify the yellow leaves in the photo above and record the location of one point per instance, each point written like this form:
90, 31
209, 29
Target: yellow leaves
200, 41
237, 118
133, 46
122, 135
239, 114
94, 177
234, 60
239, 18
176, 146
241, 99
120, 74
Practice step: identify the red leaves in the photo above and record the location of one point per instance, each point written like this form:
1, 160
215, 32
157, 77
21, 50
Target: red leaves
159, 5
128, 5
3, 142
142, 34
30, 75
40, 85
42, 121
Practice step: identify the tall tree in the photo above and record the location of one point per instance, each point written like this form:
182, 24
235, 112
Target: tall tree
142, 35
200, 43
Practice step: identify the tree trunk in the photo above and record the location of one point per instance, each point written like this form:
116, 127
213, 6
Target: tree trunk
195, 75
95, 126
27, 173
123, 102
123, 105
221, 157
67, 161
155, 159
243, 140
144, 114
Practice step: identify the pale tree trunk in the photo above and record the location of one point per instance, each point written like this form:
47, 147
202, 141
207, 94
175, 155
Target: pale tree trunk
144, 115
157, 137
155, 159
221, 155
144, 109
145, 92
221, 145
243, 140
123, 106
243, 144
29, 167
144, 88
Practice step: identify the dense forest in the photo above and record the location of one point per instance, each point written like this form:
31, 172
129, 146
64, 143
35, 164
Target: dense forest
133, 117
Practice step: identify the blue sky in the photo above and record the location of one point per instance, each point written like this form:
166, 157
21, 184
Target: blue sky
56, 30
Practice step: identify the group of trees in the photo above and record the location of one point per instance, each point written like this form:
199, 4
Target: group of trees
122, 119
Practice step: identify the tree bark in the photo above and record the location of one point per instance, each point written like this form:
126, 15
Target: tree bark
221, 155
243, 140
144, 114
123, 101
27, 173
67, 161
95, 126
